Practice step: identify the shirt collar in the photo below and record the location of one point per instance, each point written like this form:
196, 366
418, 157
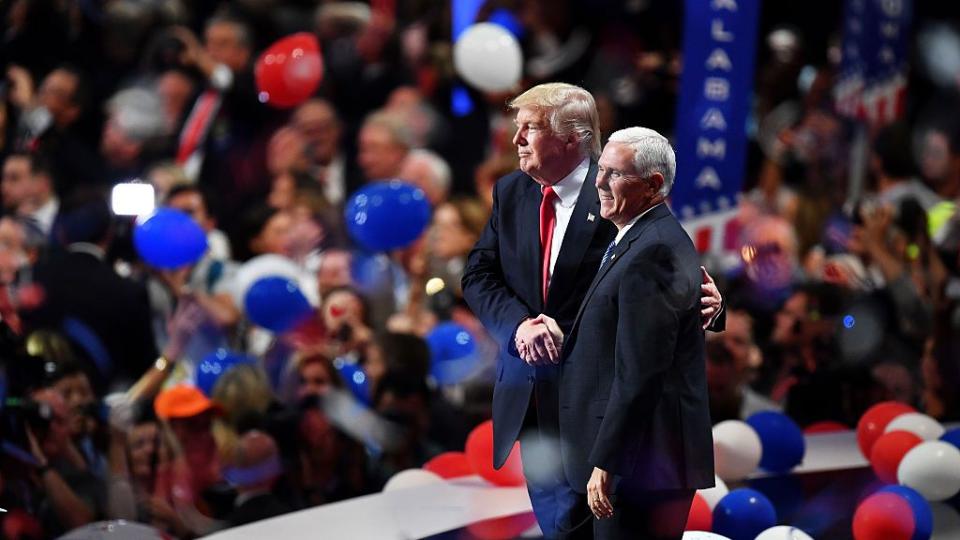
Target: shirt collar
88, 248
623, 232
568, 189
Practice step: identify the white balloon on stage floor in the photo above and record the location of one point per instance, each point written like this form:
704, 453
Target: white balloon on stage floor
783, 532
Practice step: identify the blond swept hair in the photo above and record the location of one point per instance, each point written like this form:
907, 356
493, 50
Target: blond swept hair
569, 109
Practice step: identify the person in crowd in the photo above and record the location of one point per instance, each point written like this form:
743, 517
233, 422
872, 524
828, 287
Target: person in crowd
70, 494
253, 471
382, 146
428, 171
107, 315
317, 121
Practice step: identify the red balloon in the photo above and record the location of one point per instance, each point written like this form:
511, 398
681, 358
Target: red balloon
502, 528
289, 71
450, 465
883, 516
480, 453
827, 426
875, 420
888, 451
700, 517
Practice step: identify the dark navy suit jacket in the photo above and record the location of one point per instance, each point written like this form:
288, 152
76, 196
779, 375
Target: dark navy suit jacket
633, 391
502, 284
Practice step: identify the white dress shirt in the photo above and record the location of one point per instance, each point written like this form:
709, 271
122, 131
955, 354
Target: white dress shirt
623, 232
568, 191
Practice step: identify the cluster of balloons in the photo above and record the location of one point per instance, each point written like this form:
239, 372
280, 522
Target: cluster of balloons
476, 459
169, 239
453, 355
387, 215
488, 57
768, 439
911, 449
289, 71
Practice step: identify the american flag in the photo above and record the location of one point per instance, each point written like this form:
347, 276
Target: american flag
872, 82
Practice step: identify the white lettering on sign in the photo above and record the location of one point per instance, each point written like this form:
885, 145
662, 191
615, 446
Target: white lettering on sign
716, 149
716, 89
713, 119
890, 30
718, 59
892, 8
729, 5
718, 33
708, 178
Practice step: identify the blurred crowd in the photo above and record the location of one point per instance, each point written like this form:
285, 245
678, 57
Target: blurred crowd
838, 297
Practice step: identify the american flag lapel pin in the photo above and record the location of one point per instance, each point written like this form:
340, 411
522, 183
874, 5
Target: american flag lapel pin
591, 217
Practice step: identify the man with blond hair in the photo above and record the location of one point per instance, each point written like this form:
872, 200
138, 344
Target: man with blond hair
527, 275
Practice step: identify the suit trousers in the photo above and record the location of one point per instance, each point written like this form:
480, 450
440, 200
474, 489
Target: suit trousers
553, 499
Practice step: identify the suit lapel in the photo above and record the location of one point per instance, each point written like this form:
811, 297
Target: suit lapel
622, 247
578, 236
529, 220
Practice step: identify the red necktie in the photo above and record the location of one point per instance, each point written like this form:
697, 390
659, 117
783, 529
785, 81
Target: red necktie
197, 125
548, 220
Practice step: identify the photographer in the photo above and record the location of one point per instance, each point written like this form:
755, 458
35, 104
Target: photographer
69, 494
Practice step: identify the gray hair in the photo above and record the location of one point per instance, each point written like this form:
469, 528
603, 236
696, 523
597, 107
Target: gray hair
652, 153
395, 125
439, 169
138, 113
569, 108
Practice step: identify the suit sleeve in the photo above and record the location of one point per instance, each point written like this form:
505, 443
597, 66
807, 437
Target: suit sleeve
651, 300
485, 287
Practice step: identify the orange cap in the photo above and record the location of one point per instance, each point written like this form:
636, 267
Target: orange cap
182, 401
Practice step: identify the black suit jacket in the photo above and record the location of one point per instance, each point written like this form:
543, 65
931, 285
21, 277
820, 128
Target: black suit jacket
633, 391
502, 284
83, 293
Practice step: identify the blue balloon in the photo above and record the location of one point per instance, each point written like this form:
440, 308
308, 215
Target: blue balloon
276, 303
952, 436
169, 239
387, 215
743, 514
922, 515
452, 353
216, 364
782, 440
355, 379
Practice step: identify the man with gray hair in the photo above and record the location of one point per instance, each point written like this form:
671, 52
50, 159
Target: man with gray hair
635, 426
428, 171
527, 275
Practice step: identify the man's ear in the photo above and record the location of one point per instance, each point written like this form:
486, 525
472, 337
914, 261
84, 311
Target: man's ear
656, 179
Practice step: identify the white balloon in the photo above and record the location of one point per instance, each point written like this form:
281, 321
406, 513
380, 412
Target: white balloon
713, 495
933, 469
488, 57
946, 522
117, 529
736, 449
411, 478
272, 265
783, 532
702, 535
919, 424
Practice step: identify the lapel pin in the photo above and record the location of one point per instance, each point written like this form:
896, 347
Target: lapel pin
591, 217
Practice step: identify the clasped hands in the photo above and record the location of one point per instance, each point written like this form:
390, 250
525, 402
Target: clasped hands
539, 341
